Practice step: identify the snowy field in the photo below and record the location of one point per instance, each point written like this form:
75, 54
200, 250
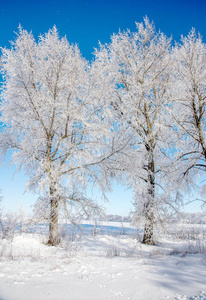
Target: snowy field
102, 266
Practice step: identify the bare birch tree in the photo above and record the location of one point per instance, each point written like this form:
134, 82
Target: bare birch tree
54, 121
189, 108
137, 68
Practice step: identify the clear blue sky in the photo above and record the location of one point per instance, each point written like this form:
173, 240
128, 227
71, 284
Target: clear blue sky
86, 22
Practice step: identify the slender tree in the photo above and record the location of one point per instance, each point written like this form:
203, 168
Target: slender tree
189, 108
54, 121
137, 68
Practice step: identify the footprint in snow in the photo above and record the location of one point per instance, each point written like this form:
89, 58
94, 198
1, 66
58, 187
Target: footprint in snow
19, 282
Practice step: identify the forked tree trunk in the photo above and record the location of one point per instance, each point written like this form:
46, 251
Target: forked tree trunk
54, 226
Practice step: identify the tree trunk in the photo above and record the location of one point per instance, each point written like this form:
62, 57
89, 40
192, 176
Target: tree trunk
149, 206
53, 226
148, 230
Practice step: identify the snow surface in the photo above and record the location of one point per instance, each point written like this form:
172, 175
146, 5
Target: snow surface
98, 267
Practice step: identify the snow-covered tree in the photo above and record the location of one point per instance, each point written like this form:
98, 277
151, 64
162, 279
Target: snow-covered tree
136, 66
189, 108
54, 121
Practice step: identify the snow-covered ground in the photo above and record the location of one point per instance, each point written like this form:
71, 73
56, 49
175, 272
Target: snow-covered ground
99, 267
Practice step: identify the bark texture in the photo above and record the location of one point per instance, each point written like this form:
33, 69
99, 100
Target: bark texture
149, 205
54, 226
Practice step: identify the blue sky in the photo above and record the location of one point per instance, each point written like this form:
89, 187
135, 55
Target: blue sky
86, 23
